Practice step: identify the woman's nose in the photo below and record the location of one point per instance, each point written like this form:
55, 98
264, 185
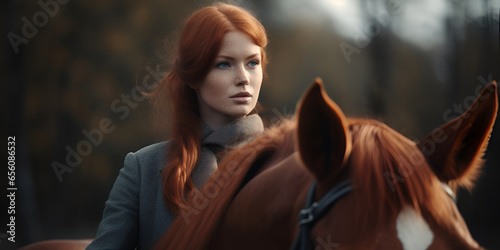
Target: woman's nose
242, 77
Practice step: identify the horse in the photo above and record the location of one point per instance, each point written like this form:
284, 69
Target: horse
321, 180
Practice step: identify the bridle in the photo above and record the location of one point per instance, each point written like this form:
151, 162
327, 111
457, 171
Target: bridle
315, 210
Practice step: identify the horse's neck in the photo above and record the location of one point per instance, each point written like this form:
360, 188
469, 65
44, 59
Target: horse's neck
273, 192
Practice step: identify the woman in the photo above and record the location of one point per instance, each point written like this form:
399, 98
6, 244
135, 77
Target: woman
212, 91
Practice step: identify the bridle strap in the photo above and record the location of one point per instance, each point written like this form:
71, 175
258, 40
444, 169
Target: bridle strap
315, 210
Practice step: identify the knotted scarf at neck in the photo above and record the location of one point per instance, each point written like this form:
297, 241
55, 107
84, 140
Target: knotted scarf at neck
227, 137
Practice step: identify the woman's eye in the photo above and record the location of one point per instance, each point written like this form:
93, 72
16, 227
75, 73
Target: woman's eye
222, 65
253, 63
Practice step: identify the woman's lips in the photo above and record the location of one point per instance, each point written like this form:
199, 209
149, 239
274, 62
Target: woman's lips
242, 97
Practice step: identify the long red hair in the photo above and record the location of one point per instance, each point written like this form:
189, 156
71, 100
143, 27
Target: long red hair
199, 43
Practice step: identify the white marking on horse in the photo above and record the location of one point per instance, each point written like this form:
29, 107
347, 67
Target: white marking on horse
413, 231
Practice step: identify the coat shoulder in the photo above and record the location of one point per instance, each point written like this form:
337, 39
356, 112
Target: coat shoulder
152, 155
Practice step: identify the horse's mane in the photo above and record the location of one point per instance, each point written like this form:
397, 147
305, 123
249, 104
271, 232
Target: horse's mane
388, 171
275, 143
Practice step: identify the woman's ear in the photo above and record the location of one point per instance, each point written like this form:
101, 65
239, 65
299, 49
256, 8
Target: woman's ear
322, 135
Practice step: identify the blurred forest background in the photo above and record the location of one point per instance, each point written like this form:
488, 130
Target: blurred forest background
75, 64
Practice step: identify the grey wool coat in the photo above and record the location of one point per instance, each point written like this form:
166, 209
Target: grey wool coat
135, 214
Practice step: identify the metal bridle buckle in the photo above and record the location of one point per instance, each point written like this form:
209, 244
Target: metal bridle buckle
307, 212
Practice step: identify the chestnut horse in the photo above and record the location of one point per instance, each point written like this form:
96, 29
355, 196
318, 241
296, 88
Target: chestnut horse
372, 188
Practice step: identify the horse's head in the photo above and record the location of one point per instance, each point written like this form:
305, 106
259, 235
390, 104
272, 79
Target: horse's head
400, 188
400, 194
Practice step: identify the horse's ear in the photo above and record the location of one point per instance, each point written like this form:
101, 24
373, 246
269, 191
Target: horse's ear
323, 136
455, 150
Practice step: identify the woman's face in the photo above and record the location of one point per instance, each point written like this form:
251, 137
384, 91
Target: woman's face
231, 88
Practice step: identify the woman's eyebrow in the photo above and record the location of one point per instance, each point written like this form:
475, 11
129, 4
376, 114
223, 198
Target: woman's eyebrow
232, 58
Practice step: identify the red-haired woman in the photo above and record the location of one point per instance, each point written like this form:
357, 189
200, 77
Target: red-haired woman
212, 91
